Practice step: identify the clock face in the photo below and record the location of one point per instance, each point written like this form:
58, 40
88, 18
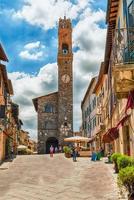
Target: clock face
65, 78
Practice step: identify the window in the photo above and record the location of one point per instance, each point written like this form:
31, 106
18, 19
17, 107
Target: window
131, 14
85, 114
65, 48
85, 125
95, 121
106, 85
94, 102
87, 111
88, 127
49, 108
103, 92
90, 110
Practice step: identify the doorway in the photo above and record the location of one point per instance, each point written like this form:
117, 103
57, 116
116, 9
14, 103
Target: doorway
126, 140
51, 141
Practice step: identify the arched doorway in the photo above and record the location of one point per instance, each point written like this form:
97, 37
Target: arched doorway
51, 141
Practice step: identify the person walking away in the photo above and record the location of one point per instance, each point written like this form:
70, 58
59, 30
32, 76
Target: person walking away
56, 150
51, 151
12, 153
60, 149
74, 152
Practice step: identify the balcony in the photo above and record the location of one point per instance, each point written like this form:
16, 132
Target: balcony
123, 61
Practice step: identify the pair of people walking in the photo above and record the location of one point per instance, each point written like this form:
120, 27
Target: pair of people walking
53, 150
96, 155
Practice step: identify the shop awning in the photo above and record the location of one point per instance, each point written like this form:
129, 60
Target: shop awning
77, 139
111, 135
130, 101
122, 121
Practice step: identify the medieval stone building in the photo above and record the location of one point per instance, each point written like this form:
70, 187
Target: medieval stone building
55, 110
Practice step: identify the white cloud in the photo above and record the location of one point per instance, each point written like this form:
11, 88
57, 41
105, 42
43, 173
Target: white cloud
32, 51
27, 87
34, 45
31, 56
46, 13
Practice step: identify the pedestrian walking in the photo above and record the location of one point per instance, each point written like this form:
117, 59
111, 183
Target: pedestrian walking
51, 151
12, 153
74, 153
60, 149
56, 149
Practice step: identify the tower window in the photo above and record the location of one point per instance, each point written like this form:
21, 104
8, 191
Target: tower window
49, 108
65, 48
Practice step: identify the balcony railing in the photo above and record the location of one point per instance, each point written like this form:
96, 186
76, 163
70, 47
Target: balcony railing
123, 46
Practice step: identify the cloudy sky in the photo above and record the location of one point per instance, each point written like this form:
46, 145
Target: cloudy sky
29, 36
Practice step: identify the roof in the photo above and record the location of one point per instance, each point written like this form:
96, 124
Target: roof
7, 81
4, 74
35, 101
10, 86
3, 54
101, 73
88, 89
112, 10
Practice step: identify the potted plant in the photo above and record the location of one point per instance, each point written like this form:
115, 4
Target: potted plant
67, 150
114, 158
126, 179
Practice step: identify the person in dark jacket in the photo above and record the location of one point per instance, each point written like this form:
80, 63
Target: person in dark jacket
74, 153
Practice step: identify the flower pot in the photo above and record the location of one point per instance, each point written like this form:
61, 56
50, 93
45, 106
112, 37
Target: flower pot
67, 155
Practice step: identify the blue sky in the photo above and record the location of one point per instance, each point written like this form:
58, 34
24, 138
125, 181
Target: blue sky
27, 22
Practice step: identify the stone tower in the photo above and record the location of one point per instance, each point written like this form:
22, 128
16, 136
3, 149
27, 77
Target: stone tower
55, 110
65, 79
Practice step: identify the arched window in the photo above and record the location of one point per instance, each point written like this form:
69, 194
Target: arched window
49, 108
65, 48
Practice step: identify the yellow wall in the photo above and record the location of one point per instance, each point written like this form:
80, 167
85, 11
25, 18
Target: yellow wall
2, 146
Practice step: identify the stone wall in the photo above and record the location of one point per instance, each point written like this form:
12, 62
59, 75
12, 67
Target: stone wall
47, 122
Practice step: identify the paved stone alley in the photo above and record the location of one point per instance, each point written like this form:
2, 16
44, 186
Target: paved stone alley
39, 177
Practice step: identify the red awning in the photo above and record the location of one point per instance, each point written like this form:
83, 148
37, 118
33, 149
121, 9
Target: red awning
111, 135
130, 101
122, 121
106, 138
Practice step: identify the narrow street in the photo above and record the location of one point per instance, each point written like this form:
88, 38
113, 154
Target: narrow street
39, 177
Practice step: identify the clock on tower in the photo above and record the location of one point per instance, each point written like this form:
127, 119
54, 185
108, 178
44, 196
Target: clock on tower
65, 79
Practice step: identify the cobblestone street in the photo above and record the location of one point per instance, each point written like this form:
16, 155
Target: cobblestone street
40, 177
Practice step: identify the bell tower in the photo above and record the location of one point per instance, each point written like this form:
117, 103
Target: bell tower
65, 79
